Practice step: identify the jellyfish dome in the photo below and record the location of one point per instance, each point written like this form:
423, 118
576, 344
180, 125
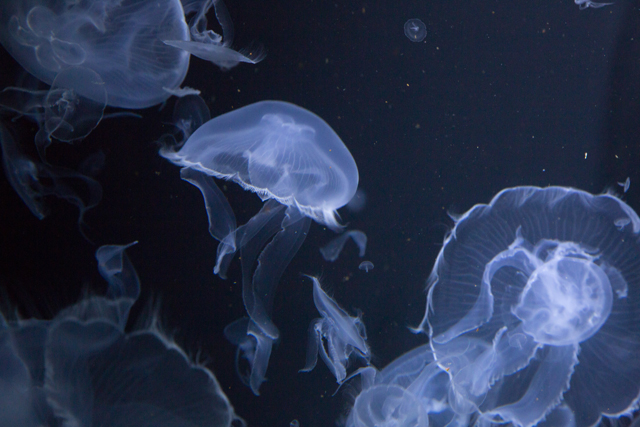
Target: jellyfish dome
533, 308
279, 151
119, 40
298, 165
83, 368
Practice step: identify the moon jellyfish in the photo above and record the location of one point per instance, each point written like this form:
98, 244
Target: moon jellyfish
331, 251
366, 266
213, 47
533, 307
299, 167
415, 30
83, 368
121, 41
410, 391
345, 336
61, 112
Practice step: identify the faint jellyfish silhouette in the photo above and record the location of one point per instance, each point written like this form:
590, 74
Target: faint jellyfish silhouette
34, 180
57, 366
411, 390
61, 112
345, 336
588, 3
366, 266
358, 202
122, 42
539, 290
415, 30
331, 251
213, 47
298, 165
189, 113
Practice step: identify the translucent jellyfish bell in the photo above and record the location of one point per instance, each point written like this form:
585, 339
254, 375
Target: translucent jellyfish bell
297, 164
534, 302
121, 41
83, 368
279, 151
410, 391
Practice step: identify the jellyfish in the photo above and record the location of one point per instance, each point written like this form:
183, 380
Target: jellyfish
366, 266
413, 390
533, 307
122, 42
588, 3
189, 113
66, 111
345, 336
213, 47
625, 184
331, 251
296, 164
83, 368
33, 180
415, 30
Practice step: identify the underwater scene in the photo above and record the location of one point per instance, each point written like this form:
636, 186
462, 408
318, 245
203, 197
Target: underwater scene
308, 214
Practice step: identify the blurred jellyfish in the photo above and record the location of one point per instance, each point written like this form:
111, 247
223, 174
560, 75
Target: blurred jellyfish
81, 366
415, 30
297, 164
625, 185
366, 266
358, 202
122, 42
331, 251
34, 180
534, 305
189, 113
213, 47
61, 113
345, 336
410, 391
588, 3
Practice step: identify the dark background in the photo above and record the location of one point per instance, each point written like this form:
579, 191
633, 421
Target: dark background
499, 94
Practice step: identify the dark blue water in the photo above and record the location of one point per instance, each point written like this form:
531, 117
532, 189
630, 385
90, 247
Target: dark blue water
498, 94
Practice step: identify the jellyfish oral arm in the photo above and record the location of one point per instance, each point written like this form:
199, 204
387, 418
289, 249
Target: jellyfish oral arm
344, 335
588, 3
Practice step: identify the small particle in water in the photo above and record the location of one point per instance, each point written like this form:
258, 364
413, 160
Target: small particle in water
294, 423
366, 266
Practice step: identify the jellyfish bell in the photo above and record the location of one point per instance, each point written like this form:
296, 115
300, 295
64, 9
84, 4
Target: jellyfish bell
539, 290
82, 366
121, 41
295, 163
278, 151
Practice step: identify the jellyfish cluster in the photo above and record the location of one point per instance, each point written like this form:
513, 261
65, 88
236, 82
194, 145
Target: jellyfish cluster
532, 317
532, 307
